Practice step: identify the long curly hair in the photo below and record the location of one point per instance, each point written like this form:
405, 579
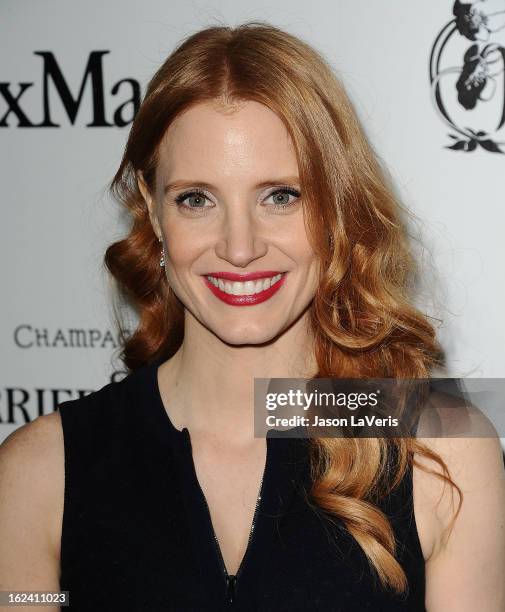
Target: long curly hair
362, 317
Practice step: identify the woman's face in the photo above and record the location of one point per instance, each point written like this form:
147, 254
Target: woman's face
228, 201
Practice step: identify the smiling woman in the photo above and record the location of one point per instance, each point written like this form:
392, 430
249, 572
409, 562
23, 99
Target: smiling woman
265, 242
232, 216
247, 165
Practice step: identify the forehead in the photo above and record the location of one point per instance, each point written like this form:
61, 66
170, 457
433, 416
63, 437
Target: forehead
245, 141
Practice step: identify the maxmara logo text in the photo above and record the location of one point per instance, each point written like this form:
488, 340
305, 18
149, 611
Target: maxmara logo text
111, 104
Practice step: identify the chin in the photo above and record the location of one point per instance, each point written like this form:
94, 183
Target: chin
247, 335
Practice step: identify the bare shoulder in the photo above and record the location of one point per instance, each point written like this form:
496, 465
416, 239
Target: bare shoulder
464, 550
31, 506
43, 429
33, 448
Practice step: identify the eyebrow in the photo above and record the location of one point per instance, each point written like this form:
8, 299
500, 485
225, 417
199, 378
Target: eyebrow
184, 184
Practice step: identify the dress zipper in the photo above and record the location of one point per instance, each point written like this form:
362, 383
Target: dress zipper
231, 579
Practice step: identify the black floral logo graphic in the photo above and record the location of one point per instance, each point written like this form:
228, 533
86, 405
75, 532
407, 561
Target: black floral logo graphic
460, 91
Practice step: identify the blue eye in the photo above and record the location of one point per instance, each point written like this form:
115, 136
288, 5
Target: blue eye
281, 197
196, 195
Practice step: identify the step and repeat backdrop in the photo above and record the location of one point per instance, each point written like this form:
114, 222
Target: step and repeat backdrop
427, 82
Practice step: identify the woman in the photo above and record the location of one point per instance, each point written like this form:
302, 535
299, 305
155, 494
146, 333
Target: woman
246, 162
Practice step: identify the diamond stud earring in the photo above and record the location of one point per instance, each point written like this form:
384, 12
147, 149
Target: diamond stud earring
162, 258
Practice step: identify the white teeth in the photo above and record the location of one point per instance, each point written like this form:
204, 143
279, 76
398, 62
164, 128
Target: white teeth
237, 288
247, 288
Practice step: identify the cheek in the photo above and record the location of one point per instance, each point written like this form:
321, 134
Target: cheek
308, 262
181, 245
299, 240
304, 252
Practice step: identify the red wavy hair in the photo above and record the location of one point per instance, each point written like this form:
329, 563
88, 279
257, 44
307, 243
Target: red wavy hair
362, 317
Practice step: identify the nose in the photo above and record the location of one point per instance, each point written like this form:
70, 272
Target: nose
241, 241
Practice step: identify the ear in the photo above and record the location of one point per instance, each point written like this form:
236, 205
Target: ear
151, 204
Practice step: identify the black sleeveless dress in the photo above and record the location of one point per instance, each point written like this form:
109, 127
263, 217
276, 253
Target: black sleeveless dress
137, 534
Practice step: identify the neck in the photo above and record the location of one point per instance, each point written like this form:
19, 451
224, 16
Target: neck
208, 385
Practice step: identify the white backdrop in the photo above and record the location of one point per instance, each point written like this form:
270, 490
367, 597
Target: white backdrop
56, 330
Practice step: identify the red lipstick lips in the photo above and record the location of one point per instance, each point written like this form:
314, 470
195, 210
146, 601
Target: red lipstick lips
245, 300
243, 277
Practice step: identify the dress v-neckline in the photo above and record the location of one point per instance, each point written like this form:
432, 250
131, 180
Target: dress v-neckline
280, 478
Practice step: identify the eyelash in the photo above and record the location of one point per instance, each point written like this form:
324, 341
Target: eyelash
179, 200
